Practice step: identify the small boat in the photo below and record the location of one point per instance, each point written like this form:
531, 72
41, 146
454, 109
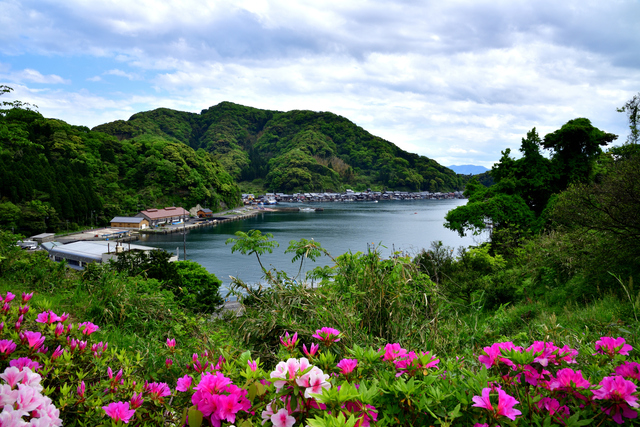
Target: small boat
307, 210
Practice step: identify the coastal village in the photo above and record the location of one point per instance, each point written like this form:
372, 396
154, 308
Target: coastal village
103, 244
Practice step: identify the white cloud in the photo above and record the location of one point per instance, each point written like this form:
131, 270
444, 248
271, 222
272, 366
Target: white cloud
431, 77
29, 75
120, 73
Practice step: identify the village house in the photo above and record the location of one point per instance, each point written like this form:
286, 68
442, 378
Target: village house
138, 223
168, 215
205, 213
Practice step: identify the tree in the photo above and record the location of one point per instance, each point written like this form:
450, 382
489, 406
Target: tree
200, 289
575, 147
253, 242
611, 206
632, 108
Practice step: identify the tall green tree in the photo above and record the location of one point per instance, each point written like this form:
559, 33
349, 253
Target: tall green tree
575, 147
632, 108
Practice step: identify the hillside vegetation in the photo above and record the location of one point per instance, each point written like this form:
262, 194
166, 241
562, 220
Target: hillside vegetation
55, 175
292, 151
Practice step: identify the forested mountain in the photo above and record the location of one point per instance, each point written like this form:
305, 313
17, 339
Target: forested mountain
54, 174
289, 151
468, 169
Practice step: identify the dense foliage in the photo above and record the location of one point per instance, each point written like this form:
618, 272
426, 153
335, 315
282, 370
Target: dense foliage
292, 151
53, 174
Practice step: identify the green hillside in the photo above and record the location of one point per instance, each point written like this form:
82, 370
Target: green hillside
55, 175
291, 151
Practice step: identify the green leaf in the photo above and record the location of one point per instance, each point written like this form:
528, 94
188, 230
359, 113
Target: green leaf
195, 418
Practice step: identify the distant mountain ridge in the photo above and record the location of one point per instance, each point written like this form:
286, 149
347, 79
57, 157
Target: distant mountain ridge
291, 151
468, 169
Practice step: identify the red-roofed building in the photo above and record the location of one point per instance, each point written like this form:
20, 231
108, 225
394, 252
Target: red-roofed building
163, 216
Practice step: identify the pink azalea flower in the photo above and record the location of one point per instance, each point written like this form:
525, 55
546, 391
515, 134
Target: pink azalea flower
171, 343
9, 297
12, 375
33, 339
289, 342
87, 328
48, 317
136, 400
611, 346
393, 352
184, 383
347, 366
627, 370
7, 347
81, 389
312, 350
493, 355
168, 363
59, 330
505, 407
119, 411
253, 365
619, 394
25, 362
553, 406
26, 297
57, 353
157, 390
569, 381
327, 335
282, 419
287, 371
317, 381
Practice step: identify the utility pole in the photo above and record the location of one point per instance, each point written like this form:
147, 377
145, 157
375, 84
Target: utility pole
184, 237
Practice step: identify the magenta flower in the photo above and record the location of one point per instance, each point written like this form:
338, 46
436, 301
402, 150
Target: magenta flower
119, 411
59, 330
568, 380
553, 406
7, 347
393, 352
23, 310
253, 365
35, 340
57, 353
48, 317
26, 297
493, 355
619, 394
627, 370
171, 343
312, 350
289, 342
547, 352
611, 346
9, 297
347, 366
168, 363
136, 400
218, 399
87, 328
505, 406
327, 335
157, 390
81, 389
184, 383
25, 362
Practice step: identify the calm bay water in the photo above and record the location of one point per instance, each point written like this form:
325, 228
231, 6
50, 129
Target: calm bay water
405, 226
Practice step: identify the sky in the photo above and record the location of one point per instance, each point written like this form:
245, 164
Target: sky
456, 81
